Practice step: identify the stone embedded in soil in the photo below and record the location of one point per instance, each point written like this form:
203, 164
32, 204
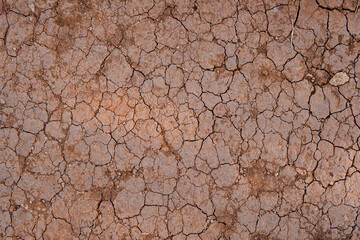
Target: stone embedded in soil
339, 79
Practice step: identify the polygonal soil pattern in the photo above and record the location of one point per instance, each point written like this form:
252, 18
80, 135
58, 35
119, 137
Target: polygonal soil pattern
180, 119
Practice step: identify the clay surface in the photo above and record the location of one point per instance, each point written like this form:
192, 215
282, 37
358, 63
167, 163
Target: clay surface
180, 119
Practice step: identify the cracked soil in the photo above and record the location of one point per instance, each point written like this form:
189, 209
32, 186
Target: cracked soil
180, 119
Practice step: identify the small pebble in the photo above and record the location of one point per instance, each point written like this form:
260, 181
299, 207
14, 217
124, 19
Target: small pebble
32, 7
339, 79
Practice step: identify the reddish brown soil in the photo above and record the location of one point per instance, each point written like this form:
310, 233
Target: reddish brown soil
179, 119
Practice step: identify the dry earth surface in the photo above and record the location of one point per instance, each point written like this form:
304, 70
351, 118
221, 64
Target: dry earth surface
186, 119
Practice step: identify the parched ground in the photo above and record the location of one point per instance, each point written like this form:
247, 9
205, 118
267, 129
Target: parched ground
186, 119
